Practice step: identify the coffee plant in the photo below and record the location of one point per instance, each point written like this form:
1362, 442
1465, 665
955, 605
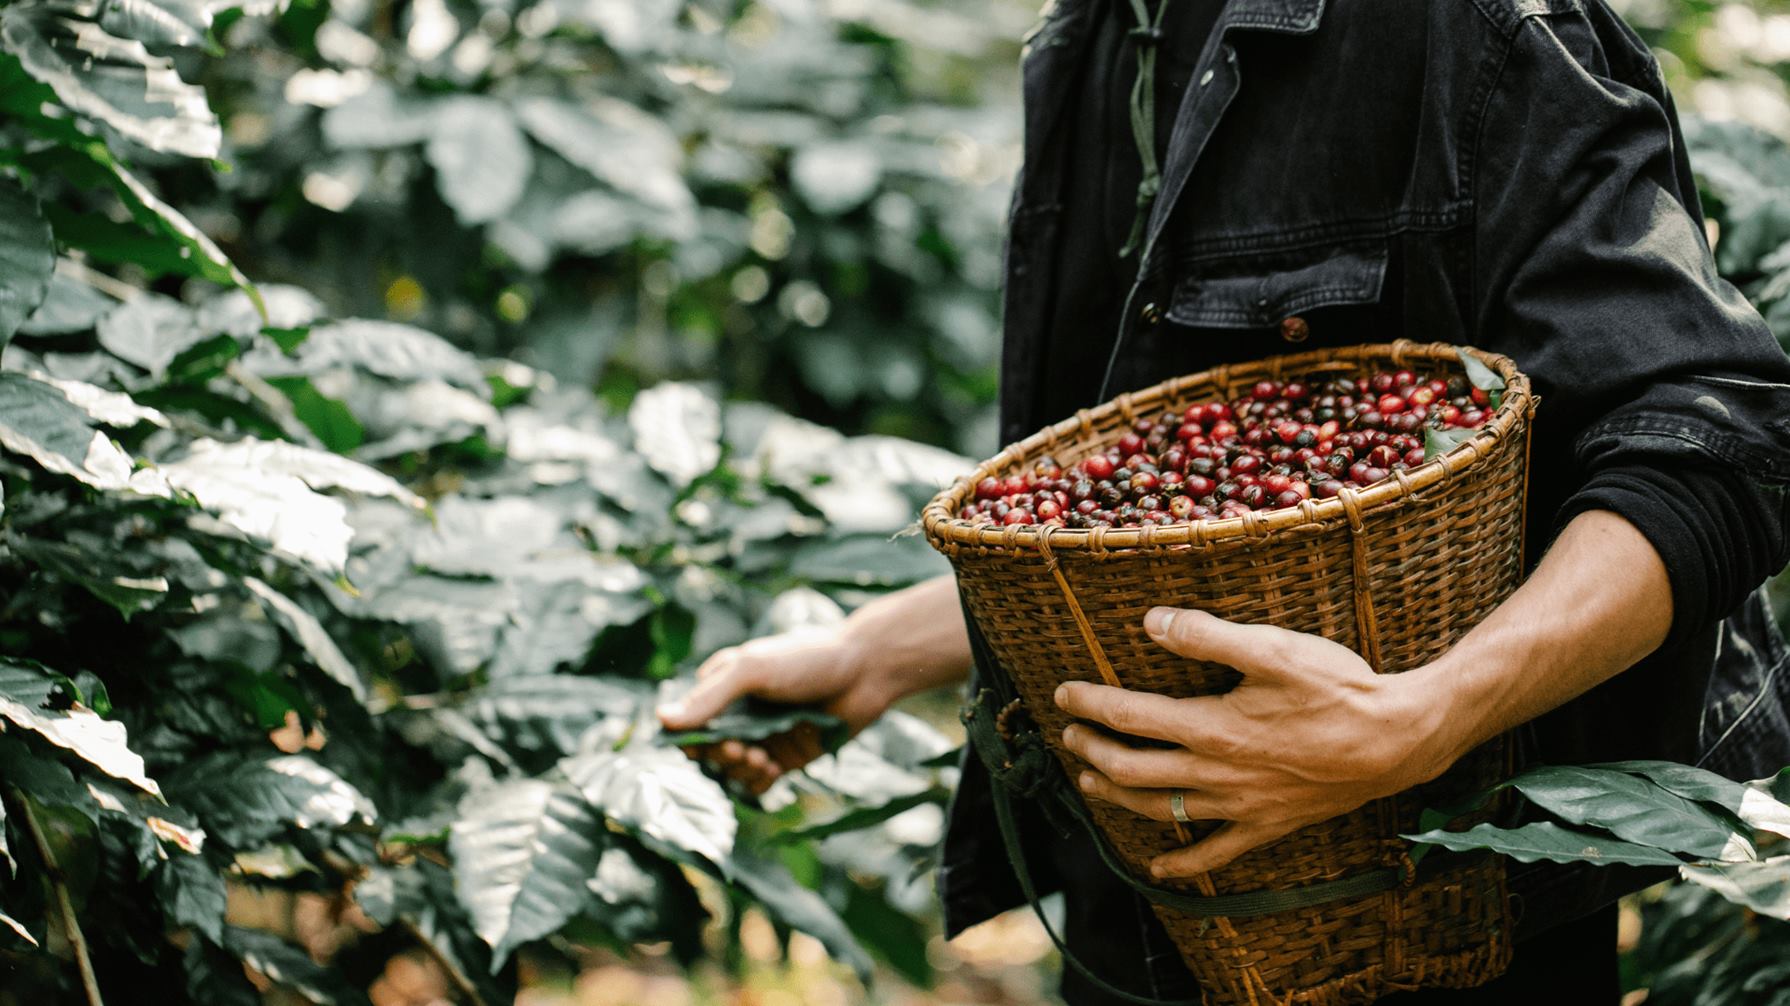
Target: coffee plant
305, 602
803, 200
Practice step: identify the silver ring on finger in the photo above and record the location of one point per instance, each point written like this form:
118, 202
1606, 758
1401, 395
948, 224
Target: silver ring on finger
1177, 805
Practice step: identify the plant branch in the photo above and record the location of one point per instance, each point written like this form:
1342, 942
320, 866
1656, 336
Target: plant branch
78, 270
455, 975
71, 927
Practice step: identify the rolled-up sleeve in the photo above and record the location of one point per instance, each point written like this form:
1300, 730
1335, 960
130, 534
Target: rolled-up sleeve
1664, 396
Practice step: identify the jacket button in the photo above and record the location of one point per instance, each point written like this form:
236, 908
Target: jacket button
1151, 314
1294, 329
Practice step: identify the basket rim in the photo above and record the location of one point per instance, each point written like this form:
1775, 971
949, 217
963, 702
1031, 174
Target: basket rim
946, 531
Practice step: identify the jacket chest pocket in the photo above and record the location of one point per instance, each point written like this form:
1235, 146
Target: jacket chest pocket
1262, 292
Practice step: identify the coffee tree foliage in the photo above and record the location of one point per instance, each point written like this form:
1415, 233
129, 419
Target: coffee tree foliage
801, 199
299, 600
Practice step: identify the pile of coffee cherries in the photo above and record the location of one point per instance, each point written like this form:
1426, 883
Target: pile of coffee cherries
1275, 447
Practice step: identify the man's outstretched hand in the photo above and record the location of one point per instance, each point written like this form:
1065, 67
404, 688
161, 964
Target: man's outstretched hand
1311, 732
821, 668
896, 645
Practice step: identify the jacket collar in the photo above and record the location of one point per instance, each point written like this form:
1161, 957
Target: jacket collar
1294, 17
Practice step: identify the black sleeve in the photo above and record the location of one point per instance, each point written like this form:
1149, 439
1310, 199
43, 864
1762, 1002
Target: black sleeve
1664, 397
1717, 534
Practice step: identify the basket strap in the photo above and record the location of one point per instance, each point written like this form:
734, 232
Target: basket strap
980, 719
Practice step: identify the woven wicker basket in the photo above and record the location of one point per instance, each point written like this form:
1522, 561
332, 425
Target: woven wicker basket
1397, 571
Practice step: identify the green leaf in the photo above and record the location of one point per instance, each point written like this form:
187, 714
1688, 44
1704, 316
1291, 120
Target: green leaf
863, 817
522, 852
272, 491
291, 967
1758, 804
1478, 374
49, 782
69, 305
193, 246
103, 744
150, 331
309, 633
108, 408
756, 720
556, 623
113, 80
192, 895
868, 561
511, 536
246, 802
104, 240
1437, 442
1632, 809
481, 160
159, 22
660, 794
677, 430
1482, 377
38, 421
327, 417
630, 150
382, 348
641, 896
1763, 886
379, 118
1549, 841
891, 934
27, 257
548, 712
215, 977
835, 176
102, 574
796, 906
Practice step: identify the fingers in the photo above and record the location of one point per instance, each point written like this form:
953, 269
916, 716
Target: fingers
747, 764
1217, 849
1255, 650
1140, 714
1140, 768
725, 678
1156, 804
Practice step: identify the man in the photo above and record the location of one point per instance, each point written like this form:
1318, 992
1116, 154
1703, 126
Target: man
1502, 173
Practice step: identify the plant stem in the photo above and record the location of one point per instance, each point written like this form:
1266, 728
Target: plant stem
71, 927
458, 977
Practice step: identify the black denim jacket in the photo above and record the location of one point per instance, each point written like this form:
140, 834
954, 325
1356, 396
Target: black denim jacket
1502, 173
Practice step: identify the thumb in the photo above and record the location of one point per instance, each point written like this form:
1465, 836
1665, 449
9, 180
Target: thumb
714, 692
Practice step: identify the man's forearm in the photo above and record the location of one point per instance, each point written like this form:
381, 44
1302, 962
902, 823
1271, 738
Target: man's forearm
1598, 602
914, 639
